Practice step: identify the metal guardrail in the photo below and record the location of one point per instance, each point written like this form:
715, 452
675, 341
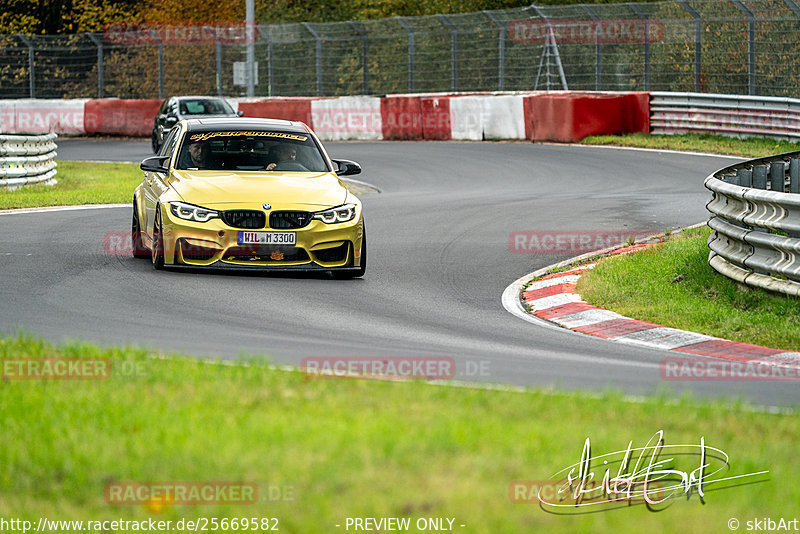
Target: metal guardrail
27, 159
755, 215
775, 117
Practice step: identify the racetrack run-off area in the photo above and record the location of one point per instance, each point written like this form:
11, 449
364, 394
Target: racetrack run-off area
440, 257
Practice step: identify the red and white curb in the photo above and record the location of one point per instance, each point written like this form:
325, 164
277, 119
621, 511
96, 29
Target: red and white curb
552, 301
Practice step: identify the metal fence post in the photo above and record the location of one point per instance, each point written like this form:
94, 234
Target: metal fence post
31, 72
219, 68
598, 49
270, 72
318, 50
698, 32
407, 28
364, 49
751, 46
160, 70
99, 45
791, 5
501, 50
453, 48
642, 15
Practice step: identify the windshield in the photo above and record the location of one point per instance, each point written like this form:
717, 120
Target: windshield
205, 106
251, 151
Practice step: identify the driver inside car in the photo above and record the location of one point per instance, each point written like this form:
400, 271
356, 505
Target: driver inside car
280, 154
196, 156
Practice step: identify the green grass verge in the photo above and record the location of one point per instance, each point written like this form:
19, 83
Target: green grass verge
753, 147
673, 285
79, 182
353, 447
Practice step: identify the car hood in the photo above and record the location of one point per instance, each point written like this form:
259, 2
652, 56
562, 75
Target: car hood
229, 190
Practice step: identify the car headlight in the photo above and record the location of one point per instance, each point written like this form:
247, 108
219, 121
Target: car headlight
338, 214
191, 212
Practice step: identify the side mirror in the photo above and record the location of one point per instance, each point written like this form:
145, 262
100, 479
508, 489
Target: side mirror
155, 164
240, 113
171, 119
346, 167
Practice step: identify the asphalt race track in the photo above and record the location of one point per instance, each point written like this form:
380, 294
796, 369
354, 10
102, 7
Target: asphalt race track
439, 261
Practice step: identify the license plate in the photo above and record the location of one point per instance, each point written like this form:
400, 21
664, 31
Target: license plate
267, 238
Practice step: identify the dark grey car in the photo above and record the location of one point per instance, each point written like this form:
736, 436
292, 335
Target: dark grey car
177, 108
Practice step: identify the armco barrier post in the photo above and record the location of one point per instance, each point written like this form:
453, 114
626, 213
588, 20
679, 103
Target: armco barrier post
777, 174
794, 175
760, 176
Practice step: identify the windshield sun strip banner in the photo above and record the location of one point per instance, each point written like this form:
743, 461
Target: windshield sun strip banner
280, 135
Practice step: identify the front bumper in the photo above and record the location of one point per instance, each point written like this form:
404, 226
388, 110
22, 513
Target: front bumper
214, 245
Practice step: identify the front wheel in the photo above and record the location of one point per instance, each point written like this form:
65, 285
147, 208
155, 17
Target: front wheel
138, 248
157, 249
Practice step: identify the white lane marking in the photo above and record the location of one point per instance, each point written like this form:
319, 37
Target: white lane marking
512, 304
585, 318
553, 300
45, 209
541, 284
663, 337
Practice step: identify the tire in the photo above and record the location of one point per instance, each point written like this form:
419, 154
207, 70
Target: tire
157, 250
346, 275
154, 142
137, 247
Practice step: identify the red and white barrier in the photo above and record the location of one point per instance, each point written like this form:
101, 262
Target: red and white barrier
120, 117
290, 109
477, 118
42, 116
560, 116
347, 117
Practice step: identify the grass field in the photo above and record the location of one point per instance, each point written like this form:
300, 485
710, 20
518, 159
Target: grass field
753, 147
353, 447
673, 285
79, 182
324, 450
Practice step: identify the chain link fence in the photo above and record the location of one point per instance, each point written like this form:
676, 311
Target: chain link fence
720, 46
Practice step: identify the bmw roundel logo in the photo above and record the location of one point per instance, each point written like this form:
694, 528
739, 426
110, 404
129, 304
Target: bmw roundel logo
267, 206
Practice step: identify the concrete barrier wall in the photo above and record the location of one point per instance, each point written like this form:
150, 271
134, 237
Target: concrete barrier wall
42, 116
554, 116
120, 117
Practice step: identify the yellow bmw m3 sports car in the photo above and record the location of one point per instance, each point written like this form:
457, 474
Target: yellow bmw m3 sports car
248, 194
